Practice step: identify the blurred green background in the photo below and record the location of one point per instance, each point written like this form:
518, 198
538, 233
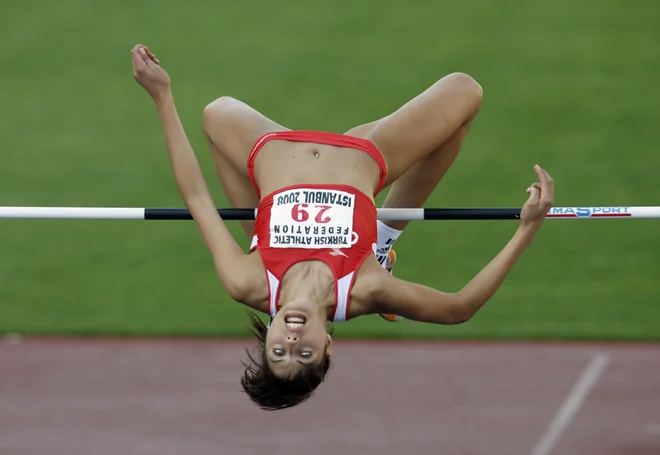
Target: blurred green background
569, 85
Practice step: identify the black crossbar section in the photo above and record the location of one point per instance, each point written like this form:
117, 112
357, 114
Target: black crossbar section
184, 214
472, 214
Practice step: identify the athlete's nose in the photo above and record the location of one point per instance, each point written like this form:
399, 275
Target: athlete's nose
291, 339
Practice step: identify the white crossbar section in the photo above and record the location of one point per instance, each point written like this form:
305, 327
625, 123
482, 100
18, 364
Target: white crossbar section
85, 213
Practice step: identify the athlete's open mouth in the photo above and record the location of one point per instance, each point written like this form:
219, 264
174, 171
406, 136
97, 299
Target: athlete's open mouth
295, 321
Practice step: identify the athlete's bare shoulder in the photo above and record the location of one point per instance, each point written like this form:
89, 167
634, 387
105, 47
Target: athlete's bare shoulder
255, 293
369, 279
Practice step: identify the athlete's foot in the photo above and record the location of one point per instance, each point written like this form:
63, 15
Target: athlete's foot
389, 266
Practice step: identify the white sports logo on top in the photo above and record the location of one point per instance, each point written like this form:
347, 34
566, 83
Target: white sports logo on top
312, 218
337, 252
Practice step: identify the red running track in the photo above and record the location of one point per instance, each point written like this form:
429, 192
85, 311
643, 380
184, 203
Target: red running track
162, 397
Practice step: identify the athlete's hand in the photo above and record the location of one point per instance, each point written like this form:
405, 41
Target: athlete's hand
148, 73
541, 199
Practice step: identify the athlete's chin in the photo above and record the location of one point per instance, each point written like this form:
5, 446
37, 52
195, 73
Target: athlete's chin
304, 306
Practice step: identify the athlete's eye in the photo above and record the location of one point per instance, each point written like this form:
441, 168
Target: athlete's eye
306, 354
278, 352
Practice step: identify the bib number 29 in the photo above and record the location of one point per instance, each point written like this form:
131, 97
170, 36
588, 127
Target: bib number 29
301, 213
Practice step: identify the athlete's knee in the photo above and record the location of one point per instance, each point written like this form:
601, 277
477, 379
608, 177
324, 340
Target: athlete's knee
219, 119
219, 108
465, 83
468, 87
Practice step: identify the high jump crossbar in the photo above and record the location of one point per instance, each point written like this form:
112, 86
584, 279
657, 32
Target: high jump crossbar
131, 213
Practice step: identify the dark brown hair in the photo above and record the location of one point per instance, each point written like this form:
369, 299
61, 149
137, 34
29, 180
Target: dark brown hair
270, 392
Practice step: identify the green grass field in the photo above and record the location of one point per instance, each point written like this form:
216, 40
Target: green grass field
570, 85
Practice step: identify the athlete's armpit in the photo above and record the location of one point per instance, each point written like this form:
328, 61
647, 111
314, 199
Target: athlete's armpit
418, 303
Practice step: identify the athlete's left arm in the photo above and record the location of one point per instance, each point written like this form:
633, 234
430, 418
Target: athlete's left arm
422, 303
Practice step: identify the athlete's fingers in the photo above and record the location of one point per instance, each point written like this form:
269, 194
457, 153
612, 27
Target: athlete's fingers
547, 186
144, 56
535, 185
548, 189
139, 53
544, 177
135, 54
534, 195
539, 172
152, 56
138, 64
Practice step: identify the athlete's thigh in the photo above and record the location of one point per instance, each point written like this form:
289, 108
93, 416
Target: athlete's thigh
423, 124
365, 129
232, 127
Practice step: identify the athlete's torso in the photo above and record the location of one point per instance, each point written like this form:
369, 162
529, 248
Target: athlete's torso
332, 220
334, 224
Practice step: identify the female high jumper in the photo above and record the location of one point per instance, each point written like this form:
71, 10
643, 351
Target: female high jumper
318, 253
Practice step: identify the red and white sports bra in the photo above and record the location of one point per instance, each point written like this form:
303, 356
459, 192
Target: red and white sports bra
335, 224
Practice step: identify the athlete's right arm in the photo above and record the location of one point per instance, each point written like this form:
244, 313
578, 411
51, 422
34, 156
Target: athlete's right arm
231, 263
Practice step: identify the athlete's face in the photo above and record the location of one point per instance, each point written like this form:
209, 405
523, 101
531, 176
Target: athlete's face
296, 338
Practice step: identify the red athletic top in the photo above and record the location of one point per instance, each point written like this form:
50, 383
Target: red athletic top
335, 224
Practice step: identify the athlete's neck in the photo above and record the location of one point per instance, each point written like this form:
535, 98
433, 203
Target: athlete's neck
311, 282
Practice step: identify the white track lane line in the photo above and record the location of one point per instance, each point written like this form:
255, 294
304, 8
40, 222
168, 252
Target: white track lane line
572, 404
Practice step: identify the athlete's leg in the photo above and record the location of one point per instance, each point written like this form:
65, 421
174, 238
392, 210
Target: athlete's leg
232, 127
415, 186
424, 124
439, 118
432, 128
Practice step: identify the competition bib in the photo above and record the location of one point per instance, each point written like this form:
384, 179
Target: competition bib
310, 218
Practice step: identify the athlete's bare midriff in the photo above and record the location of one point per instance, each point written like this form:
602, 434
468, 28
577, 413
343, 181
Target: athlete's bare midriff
283, 163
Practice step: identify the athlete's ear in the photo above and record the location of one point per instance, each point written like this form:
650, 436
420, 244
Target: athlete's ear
328, 347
